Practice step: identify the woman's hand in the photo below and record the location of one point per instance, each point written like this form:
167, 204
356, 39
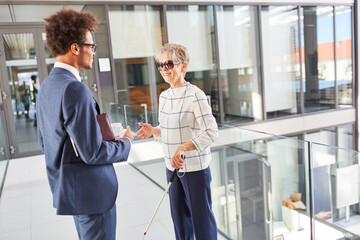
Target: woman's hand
177, 161
145, 131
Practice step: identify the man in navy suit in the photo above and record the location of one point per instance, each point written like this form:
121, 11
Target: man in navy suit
79, 163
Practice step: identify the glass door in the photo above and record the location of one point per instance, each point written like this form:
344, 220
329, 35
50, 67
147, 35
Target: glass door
3, 147
25, 62
19, 85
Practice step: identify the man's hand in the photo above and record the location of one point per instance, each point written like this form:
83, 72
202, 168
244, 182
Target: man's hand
145, 131
128, 134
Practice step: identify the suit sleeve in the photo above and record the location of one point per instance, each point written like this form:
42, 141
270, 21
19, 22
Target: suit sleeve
40, 137
41, 141
79, 113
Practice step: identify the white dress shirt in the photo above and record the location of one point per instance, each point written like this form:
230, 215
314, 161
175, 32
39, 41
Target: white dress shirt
69, 68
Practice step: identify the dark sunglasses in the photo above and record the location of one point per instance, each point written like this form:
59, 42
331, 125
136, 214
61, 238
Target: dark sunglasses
169, 64
92, 45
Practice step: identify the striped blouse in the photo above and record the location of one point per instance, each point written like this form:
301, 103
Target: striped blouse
185, 115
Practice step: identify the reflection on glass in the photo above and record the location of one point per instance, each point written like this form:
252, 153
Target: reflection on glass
239, 63
23, 82
136, 35
344, 67
318, 35
281, 61
197, 20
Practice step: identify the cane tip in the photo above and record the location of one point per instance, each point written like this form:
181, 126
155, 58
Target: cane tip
144, 233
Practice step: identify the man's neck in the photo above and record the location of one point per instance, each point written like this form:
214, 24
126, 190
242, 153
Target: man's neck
67, 60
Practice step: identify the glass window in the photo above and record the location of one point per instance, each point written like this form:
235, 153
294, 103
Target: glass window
345, 136
318, 36
105, 75
136, 35
193, 27
341, 136
281, 63
239, 63
344, 72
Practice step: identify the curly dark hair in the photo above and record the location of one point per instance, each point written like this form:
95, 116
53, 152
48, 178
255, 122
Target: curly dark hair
66, 27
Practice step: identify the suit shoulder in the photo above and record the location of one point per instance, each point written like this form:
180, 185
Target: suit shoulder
77, 89
77, 85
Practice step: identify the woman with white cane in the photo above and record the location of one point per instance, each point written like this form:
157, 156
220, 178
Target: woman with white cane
186, 127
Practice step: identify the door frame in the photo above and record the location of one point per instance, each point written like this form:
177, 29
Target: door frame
9, 124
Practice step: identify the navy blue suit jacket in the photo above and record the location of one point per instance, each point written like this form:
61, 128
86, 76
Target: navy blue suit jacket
80, 185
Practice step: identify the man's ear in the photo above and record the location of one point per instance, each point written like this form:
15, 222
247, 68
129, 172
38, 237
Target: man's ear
75, 49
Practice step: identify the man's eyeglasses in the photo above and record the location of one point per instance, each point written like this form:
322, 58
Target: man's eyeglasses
92, 45
169, 64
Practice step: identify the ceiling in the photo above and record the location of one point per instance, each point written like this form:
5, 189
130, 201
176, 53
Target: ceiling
30, 13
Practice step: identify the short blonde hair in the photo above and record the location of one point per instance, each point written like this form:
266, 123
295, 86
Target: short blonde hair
178, 52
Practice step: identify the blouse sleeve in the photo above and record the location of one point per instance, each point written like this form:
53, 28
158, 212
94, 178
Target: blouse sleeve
205, 121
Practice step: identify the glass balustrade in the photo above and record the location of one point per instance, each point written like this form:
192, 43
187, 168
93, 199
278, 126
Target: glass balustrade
274, 187
128, 115
263, 186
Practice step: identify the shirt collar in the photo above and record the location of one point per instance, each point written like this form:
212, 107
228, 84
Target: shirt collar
179, 89
69, 68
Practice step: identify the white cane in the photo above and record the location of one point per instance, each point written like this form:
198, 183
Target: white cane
173, 176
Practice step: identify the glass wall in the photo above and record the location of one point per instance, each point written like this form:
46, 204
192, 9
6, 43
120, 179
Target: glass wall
326, 136
340, 136
239, 62
318, 34
193, 27
344, 54
137, 33
106, 81
295, 44
346, 136
281, 66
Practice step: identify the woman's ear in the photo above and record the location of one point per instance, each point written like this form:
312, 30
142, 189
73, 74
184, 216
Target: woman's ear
184, 67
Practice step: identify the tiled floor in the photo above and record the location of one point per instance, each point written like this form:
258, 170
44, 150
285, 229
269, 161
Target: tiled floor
26, 211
